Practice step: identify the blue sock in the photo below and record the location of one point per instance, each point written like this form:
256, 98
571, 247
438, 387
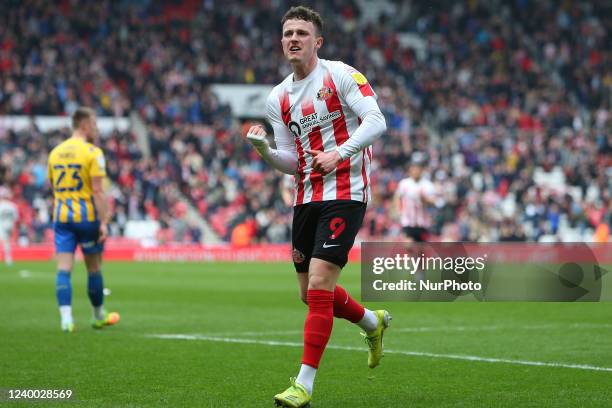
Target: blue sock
95, 289
63, 289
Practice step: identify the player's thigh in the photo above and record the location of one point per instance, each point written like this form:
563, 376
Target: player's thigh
65, 237
65, 244
88, 234
303, 234
338, 225
416, 234
5, 234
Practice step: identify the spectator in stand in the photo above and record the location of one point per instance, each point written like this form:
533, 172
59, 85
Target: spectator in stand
510, 100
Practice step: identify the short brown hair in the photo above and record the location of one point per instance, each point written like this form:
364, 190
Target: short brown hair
306, 14
80, 114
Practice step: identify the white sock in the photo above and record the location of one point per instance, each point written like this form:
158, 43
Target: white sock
66, 313
98, 313
369, 321
306, 377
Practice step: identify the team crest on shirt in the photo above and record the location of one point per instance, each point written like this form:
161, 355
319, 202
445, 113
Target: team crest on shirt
298, 256
324, 93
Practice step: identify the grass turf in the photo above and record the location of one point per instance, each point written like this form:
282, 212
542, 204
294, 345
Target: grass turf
122, 367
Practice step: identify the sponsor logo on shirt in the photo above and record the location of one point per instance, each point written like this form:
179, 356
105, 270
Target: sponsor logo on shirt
312, 120
295, 129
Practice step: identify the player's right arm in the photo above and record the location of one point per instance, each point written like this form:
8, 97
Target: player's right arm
284, 157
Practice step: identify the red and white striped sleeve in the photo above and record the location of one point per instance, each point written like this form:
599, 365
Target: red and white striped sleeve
354, 86
358, 94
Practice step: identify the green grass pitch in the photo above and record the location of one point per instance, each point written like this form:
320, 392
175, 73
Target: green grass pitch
244, 308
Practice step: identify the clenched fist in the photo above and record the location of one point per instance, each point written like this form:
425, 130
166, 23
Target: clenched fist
257, 136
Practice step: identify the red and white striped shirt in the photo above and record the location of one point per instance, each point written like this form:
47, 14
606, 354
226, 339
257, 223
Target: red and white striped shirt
413, 211
321, 112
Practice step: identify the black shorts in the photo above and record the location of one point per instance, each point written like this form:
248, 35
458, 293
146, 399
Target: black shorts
325, 230
418, 234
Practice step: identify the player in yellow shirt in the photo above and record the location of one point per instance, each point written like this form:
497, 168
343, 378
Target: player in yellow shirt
76, 172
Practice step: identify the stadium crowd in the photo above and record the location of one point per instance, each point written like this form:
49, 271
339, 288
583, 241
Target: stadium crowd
509, 100
137, 192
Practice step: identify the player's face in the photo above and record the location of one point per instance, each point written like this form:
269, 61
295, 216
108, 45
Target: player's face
416, 171
300, 41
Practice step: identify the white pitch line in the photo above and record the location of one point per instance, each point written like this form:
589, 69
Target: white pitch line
427, 329
447, 329
401, 352
259, 333
27, 274
502, 327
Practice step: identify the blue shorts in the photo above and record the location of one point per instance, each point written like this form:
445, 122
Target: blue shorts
69, 234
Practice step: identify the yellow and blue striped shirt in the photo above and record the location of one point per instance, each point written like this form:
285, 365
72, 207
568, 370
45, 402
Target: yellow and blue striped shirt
72, 164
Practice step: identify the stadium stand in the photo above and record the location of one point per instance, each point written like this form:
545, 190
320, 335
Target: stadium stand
509, 100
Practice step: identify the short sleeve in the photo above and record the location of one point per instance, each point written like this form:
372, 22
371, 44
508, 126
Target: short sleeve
97, 166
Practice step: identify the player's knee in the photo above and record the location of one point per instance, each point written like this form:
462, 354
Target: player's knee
320, 282
92, 263
93, 268
64, 262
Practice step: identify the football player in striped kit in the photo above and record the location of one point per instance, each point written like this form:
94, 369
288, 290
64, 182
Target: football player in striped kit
414, 196
325, 118
76, 172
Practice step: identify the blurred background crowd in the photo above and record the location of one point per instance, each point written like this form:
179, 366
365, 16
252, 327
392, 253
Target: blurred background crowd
509, 100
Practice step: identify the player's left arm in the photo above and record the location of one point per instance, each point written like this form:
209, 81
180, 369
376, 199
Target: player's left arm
354, 88
361, 99
429, 195
97, 172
